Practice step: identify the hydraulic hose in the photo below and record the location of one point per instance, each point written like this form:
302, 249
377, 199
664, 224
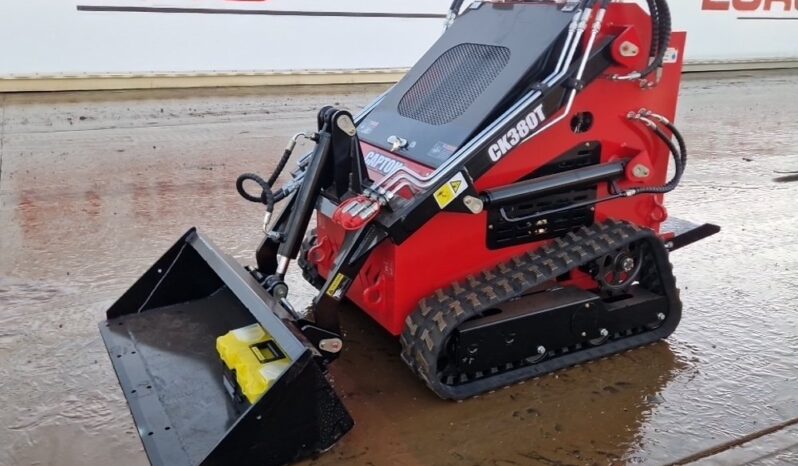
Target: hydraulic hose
660, 40
679, 156
454, 12
653, 11
660, 34
268, 197
456, 5
680, 140
278, 170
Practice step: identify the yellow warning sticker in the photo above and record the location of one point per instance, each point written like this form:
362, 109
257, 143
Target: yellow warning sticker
337, 287
444, 196
450, 191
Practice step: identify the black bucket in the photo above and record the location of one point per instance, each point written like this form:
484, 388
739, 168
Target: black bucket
161, 337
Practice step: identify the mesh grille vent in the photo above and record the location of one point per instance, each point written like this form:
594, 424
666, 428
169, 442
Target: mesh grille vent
453, 83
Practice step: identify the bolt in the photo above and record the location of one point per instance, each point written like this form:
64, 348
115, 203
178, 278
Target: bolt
641, 171
331, 345
628, 264
629, 49
604, 332
587, 306
584, 334
280, 291
661, 316
474, 204
541, 350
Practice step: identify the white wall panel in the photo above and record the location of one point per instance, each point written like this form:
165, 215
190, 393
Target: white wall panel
56, 37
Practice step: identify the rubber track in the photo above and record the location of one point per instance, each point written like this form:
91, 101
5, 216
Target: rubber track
437, 316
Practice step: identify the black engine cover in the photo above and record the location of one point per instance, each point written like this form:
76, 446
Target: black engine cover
473, 73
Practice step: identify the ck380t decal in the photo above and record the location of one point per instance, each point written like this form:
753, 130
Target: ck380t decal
517, 134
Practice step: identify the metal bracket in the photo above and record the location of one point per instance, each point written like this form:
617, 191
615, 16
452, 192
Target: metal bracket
693, 235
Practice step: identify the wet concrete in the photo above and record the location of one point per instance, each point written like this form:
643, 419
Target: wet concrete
94, 187
779, 447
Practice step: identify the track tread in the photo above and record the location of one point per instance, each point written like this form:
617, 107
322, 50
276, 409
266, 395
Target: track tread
426, 330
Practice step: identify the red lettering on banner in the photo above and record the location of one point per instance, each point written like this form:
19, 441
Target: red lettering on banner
749, 5
715, 5
785, 3
746, 5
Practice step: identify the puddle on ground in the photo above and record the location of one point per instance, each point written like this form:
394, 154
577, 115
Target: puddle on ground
89, 203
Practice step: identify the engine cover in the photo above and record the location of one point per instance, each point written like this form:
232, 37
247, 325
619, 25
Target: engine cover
482, 62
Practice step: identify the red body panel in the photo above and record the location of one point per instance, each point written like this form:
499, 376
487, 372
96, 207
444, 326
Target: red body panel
452, 246
376, 159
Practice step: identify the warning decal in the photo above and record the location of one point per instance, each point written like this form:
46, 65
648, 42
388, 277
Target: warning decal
451, 190
338, 287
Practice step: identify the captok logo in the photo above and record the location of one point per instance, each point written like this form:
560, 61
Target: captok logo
382, 163
515, 135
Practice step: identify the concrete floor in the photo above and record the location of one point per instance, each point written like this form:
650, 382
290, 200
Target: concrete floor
95, 186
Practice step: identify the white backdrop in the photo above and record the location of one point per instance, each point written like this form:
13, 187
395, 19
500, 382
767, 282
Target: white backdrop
59, 37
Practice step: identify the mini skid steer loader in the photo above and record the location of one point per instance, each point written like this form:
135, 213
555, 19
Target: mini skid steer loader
499, 210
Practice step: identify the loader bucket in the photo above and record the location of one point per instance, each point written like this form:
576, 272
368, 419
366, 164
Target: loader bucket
161, 336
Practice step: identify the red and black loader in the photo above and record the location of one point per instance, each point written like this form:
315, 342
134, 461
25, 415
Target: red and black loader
499, 210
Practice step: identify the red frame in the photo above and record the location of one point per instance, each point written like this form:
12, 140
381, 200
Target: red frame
452, 246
